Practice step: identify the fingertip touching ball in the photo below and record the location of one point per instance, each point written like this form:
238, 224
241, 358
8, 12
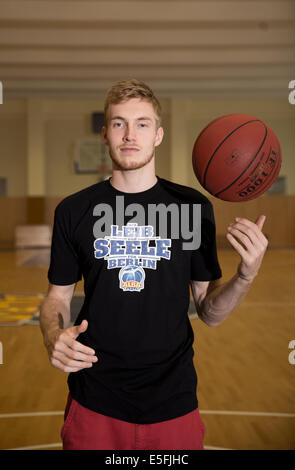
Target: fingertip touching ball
236, 157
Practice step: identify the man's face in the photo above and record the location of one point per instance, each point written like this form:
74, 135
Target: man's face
132, 134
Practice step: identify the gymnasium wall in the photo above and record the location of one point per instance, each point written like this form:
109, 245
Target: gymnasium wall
13, 146
45, 131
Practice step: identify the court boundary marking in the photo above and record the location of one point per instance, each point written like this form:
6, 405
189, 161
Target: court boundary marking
59, 444
248, 413
41, 446
212, 412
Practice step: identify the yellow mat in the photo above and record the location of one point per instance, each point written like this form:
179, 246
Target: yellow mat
19, 309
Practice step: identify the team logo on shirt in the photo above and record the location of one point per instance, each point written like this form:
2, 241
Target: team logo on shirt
132, 278
132, 249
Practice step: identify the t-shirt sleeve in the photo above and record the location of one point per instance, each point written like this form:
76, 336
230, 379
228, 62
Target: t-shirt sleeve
204, 260
64, 266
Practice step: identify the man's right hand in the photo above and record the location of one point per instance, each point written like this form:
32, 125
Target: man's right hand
67, 354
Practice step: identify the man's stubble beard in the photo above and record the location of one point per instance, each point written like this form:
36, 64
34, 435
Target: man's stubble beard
123, 164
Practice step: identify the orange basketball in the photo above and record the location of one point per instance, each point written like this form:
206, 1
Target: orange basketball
237, 157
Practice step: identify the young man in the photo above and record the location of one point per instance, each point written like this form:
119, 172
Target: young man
132, 381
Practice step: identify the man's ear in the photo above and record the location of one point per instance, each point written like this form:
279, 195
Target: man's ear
104, 135
159, 136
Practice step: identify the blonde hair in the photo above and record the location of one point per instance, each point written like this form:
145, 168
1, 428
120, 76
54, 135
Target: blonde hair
131, 88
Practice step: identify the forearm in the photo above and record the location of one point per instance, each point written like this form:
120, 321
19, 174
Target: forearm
222, 300
54, 315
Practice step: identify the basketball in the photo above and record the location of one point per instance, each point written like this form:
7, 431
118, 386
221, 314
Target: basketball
236, 157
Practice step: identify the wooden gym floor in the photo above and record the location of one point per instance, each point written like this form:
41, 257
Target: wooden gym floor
246, 382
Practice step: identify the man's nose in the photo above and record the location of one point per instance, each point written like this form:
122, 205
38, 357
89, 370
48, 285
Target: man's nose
129, 134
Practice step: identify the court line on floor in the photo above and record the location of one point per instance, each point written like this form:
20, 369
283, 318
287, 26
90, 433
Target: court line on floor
215, 448
248, 413
213, 412
58, 444
268, 304
41, 446
28, 415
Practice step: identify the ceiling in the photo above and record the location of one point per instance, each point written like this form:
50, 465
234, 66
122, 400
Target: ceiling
180, 48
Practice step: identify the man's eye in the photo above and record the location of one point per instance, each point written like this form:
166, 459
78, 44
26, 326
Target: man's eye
142, 124
117, 124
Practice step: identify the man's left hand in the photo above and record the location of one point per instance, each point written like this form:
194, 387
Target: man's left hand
252, 245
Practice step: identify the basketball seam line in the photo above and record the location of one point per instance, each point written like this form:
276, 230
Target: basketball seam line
274, 175
234, 130
253, 159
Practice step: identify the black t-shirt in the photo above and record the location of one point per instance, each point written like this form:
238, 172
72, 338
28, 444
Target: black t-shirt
136, 280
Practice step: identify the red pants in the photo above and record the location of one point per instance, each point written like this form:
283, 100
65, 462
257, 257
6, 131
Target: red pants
84, 429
